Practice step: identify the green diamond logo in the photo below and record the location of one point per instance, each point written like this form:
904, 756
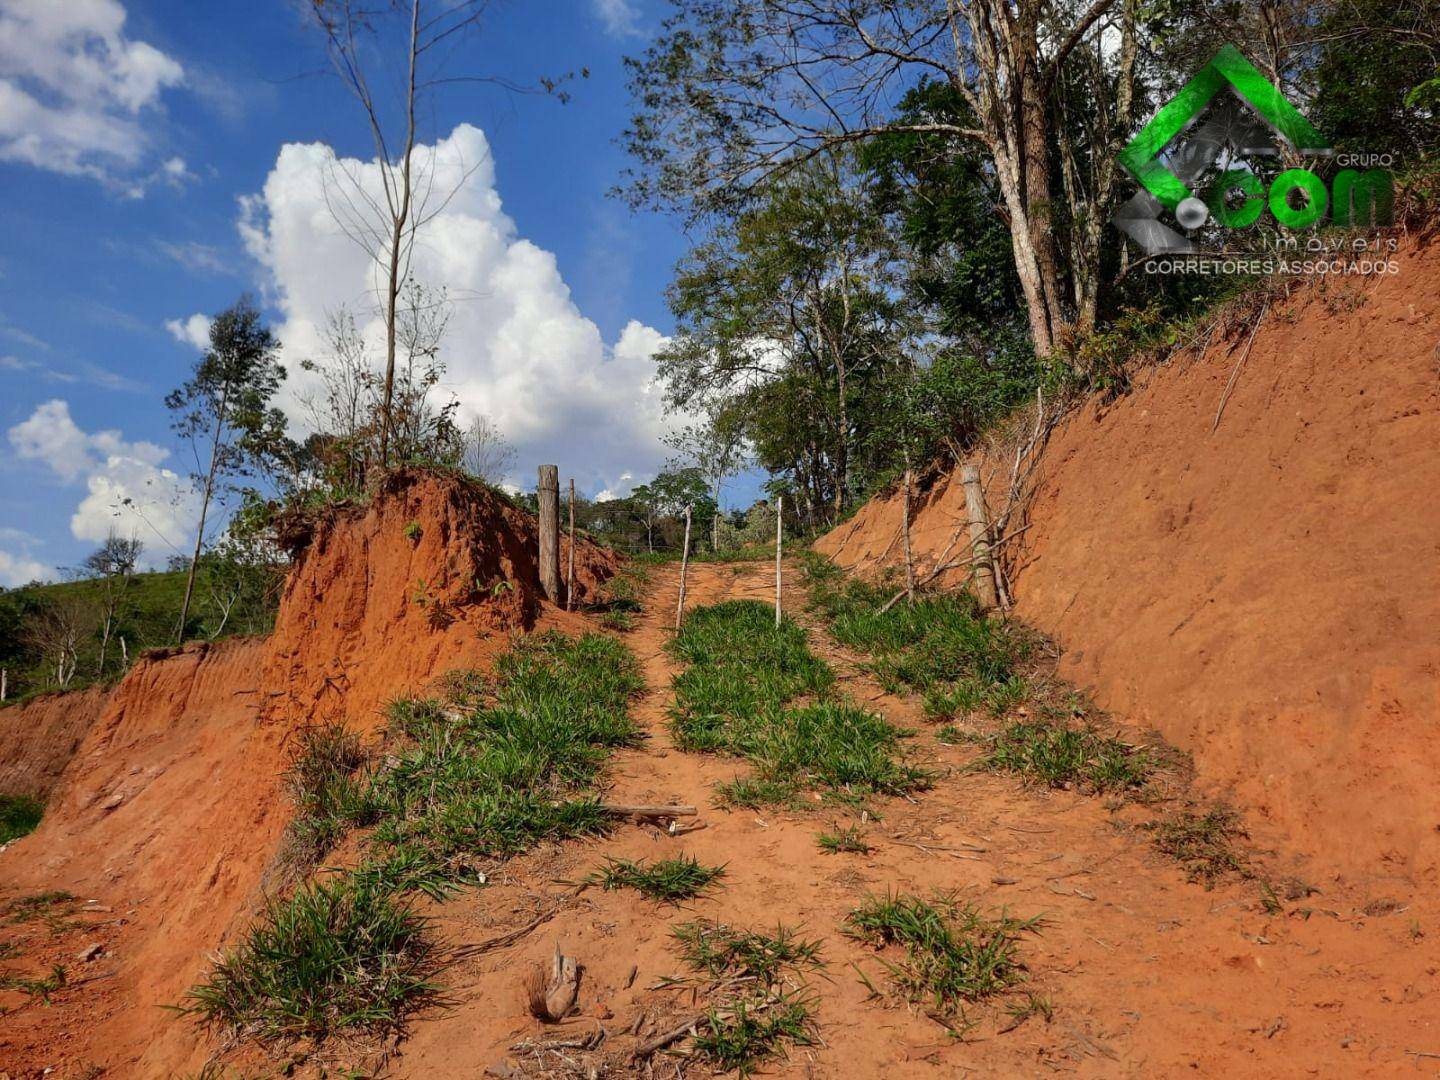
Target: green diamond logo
1229, 67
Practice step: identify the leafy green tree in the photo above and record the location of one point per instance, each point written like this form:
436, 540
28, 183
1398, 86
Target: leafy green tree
224, 412
784, 317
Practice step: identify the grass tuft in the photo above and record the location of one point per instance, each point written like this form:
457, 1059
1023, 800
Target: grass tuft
40, 988
327, 796
1204, 844
341, 956
941, 646
773, 1008
850, 839
19, 816
1060, 756
953, 954
669, 880
722, 951
748, 1034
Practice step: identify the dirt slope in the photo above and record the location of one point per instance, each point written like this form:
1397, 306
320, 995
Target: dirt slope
170, 814
39, 737
1265, 595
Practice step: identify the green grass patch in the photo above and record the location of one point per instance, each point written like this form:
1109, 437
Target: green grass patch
941, 646
723, 951
19, 816
669, 880
329, 799
53, 908
756, 691
746, 1035
1205, 844
1052, 753
758, 793
848, 839
495, 765
339, 956
771, 1008
503, 767
953, 955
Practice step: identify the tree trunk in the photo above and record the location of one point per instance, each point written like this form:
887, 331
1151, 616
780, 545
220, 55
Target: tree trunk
684, 570
204, 511
548, 494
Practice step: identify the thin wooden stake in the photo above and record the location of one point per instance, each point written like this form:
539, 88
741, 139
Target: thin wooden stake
570, 561
983, 571
4, 684
684, 568
779, 547
547, 491
909, 555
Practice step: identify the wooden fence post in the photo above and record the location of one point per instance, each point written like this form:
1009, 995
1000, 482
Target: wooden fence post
570, 561
909, 553
982, 570
779, 544
4, 684
684, 568
548, 493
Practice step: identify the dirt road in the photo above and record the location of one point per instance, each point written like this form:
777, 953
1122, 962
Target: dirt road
1148, 974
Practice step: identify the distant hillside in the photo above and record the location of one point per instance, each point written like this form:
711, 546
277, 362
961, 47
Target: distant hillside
145, 617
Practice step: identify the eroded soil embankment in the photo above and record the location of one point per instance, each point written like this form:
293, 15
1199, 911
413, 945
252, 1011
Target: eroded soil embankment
171, 813
39, 737
1264, 594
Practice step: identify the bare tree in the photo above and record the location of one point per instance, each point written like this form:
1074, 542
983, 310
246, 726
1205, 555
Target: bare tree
488, 454
114, 564
404, 44
56, 631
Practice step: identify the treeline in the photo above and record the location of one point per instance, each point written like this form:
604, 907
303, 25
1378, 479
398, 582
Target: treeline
905, 207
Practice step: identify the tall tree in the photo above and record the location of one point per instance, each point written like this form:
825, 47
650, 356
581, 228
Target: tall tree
732, 94
223, 411
392, 56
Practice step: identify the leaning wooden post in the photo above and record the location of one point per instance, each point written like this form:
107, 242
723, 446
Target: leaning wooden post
570, 560
981, 568
548, 492
4, 684
779, 544
684, 568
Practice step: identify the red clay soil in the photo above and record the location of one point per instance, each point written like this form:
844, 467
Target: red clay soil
1267, 596
170, 815
39, 737
1148, 975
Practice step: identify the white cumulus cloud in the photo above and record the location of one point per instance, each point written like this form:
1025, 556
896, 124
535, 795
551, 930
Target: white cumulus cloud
517, 349
74, 88
128, 487
21, 570
620, 17
194, 331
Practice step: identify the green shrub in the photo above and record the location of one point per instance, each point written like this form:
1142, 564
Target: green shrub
19, 816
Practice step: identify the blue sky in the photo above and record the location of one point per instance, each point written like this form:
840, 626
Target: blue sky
143, 184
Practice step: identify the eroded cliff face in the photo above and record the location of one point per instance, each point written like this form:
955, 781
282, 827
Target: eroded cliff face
39, 737
1265, 595
172, 810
